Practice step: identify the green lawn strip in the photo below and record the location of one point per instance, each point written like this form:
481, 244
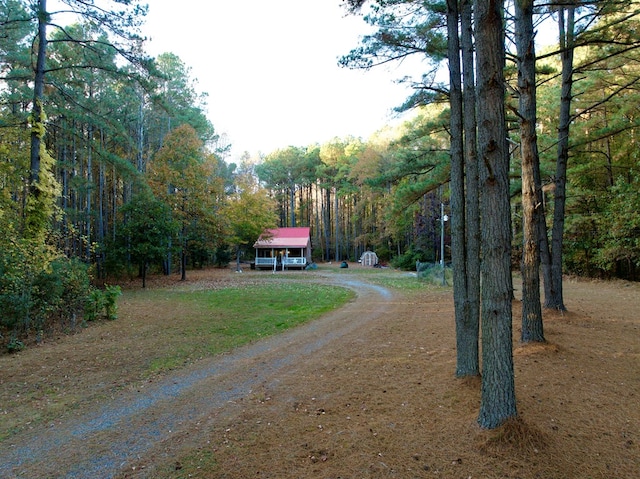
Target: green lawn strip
215, 321
406, 281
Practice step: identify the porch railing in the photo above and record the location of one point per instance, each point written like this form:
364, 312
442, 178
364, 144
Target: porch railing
291, 261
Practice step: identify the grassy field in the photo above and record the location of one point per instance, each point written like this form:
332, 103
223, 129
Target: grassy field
219, 320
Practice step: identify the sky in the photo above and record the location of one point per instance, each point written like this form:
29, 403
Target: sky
270, 70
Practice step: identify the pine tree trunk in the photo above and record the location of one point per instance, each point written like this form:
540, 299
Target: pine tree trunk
498, 402
38, 95
89, 193
472, 202
556, 300
327, 222
101, 218
532, 327
292, 205
464, 340
336, 221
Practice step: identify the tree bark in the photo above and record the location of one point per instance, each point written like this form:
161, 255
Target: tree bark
336, 223
327, 222
466, 364
567, 32
89, 193
472, 202
532, 326
498, 402
38, 95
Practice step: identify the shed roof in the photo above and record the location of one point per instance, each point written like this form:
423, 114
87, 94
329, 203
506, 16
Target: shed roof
284, 238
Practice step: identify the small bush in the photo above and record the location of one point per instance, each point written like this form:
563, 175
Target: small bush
222, 257
111, 294
94, 305
15, 345
407, 260
432, 273
40, 291
103, 304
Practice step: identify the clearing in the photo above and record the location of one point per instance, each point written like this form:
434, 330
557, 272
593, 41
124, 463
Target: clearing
367, 391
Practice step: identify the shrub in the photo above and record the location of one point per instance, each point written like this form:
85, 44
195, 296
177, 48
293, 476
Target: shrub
407, 260
103, 304
94, 305
222, 257
15, 345
39, 291
111, 294
22, 302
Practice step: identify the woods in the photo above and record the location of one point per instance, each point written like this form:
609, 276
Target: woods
110, 167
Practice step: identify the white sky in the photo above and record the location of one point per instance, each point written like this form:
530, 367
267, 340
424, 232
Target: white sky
270, 69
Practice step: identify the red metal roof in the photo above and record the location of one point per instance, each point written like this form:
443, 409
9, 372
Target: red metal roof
284, 238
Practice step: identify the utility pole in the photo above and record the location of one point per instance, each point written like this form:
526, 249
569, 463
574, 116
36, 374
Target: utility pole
443, 218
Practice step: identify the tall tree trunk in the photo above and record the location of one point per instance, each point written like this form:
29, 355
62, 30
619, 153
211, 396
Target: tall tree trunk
464, 343
38, 95
532, 327
327, 222
102, 218
318, 218
567, 32
89, 193
64, 176
292, 205
114, 202
74, 193
336, 220
140, 164
498, 401
183, 242
472, 202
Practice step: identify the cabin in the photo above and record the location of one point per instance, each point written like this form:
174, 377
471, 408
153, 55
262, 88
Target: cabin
283, 248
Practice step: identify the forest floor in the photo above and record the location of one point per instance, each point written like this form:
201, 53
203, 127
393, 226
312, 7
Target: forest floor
365, 392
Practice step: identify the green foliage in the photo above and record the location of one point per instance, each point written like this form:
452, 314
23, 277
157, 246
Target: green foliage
24, 267
103, 304
222, 256
119, 123
67, 287
145, 236
95, 305
620, 223
111, 294
39, 290
248, 212
180, 100
41, 204
407, 260
186, 179
15, 346
403, 29
433, 272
